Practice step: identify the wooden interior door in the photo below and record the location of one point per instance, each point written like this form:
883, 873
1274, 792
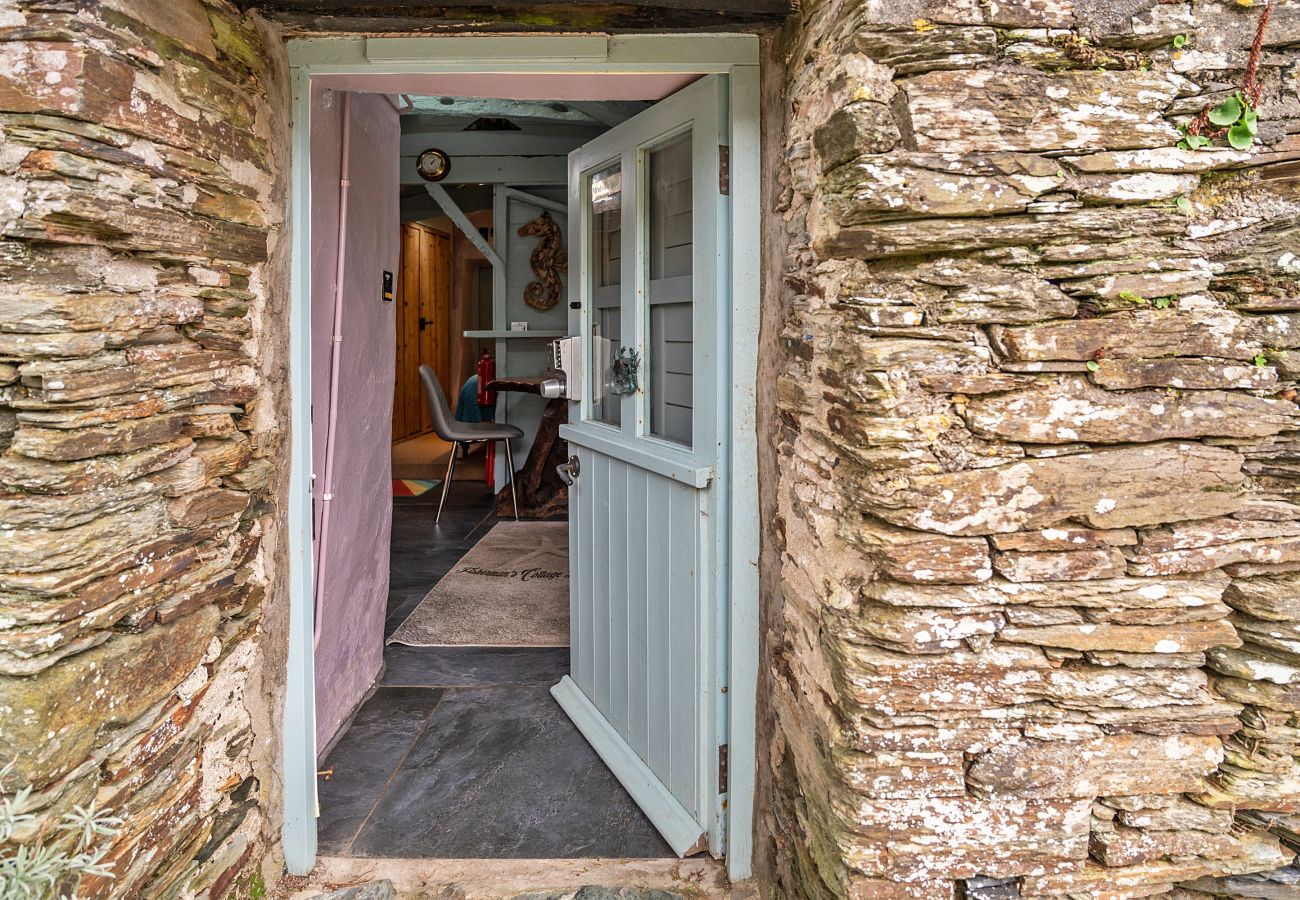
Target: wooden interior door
423, 325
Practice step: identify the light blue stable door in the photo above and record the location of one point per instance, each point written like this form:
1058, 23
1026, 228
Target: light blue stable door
649, 277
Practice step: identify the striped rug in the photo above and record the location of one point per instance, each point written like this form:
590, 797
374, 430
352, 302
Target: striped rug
413, 487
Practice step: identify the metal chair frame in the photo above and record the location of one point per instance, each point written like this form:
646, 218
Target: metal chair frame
451, 471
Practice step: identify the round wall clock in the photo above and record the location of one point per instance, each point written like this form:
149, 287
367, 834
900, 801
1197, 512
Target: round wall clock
433, 165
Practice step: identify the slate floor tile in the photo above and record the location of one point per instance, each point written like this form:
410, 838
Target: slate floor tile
474, 666
462, 752
378, 738
503, 773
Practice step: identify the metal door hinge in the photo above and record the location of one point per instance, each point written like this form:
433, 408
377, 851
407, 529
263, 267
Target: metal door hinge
724, 169
722, 768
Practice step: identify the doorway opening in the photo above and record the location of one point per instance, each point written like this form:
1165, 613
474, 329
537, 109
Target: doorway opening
459, 750
504, 665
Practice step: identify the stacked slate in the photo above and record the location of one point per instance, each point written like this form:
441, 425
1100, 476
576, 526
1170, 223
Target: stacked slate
1037, 512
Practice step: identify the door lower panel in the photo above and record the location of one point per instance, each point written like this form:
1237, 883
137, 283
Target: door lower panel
637, 618
679, 829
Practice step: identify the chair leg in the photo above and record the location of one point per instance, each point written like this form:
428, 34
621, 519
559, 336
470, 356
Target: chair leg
510, 465
446, 485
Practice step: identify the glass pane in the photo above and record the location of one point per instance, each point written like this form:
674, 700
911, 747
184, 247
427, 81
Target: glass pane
606, 293
670, 392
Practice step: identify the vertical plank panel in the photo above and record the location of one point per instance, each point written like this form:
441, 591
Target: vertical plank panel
659, 652
442, 308
600, 616
424, 336
408, 325
620, 553
638, 502
587, 515
682, 637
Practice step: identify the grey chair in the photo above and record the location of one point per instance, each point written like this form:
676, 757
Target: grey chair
447, 428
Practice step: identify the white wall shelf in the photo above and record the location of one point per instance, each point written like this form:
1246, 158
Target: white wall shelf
506, 335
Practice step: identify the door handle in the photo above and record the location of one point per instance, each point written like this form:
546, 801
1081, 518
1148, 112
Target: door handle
569, 471
424, 323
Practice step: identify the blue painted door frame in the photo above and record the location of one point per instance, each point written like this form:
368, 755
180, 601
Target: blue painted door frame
347, 63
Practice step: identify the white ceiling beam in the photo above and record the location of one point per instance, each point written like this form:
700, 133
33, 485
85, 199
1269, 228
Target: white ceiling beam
495, 170
461, 221
555, 206
495, 143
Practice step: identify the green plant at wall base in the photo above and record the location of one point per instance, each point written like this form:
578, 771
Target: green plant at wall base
248, 887
43, 869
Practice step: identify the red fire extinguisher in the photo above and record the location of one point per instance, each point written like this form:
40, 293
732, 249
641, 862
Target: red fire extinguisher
487, 372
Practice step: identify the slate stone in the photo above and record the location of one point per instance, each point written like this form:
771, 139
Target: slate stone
375, 890
365, 757
593, 892
504, 773
452, 667
57, 715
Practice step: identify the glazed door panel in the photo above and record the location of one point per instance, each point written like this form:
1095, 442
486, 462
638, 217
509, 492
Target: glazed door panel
648, 223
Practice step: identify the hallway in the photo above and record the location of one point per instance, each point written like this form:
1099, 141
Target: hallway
461, 752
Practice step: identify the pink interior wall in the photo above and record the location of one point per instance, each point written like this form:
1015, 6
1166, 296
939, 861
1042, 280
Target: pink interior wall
355, 577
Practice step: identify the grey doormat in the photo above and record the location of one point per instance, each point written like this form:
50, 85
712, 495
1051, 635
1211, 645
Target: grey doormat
510, 590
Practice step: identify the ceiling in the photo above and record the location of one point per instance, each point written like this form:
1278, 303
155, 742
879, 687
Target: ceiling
529, 137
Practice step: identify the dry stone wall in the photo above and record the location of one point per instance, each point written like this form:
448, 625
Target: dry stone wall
1039, 520
139, 411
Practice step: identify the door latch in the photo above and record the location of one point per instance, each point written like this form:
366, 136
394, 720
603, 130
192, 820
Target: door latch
569, 471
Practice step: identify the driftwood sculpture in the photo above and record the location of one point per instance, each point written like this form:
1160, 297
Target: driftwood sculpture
549, 259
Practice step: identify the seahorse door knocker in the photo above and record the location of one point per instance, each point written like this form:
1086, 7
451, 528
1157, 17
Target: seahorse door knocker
549, 259
623, 369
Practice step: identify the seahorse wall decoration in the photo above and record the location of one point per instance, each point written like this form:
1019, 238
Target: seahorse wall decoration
549, 259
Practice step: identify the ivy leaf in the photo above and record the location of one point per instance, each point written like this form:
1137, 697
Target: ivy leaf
1180, 41
1197, 141
1261, 360
1093, 365
1226, 112
1163, 302
1239, 136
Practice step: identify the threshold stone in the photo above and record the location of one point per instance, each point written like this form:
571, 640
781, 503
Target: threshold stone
598, 892
375, 890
